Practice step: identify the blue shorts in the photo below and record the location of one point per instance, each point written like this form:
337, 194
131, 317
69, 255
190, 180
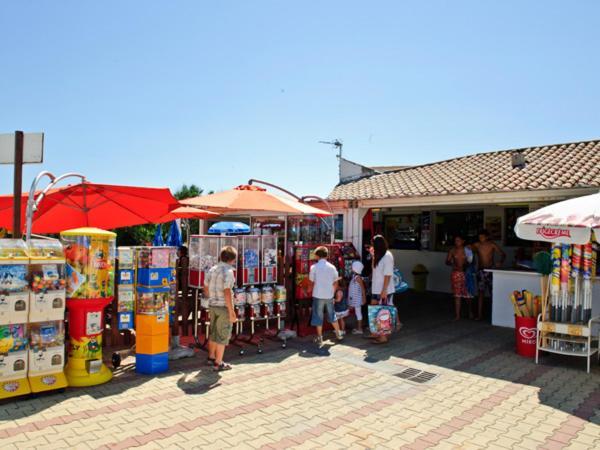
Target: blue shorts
318, 310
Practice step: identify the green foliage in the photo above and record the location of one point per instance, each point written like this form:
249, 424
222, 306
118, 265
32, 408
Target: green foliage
186, 191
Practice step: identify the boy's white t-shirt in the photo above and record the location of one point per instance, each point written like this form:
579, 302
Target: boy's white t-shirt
323, 274
383, 269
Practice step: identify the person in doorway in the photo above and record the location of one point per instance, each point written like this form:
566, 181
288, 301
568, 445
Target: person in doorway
486, 250
323, 278
458, 259
218, 288
382, 287
357, 295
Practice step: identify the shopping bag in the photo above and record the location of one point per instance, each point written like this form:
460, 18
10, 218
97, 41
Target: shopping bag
382, 319
399, 284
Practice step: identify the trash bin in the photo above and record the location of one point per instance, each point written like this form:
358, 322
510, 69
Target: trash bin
525, 335
420, 273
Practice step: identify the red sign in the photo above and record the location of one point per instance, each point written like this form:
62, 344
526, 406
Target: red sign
553, 233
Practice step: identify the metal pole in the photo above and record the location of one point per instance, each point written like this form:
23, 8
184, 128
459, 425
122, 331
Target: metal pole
18, 185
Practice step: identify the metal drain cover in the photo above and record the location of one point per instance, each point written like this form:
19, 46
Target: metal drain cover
416, 375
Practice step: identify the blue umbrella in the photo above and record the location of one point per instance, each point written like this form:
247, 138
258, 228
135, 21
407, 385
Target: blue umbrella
174, 236
158, 239
229, 228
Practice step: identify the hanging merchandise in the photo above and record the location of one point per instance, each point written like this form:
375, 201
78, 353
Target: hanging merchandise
14, 309
46, 315
90, 256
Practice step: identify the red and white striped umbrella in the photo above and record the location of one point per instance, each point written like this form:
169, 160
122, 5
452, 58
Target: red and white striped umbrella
568, 222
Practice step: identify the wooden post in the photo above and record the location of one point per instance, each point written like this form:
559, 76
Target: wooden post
18, 183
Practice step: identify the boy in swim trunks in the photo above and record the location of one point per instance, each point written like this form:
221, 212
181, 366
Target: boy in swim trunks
486, 250
457, 258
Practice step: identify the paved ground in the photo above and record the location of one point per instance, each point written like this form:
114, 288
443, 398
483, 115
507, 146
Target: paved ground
341, 396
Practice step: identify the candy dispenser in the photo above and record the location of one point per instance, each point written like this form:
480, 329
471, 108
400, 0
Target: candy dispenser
231, 241
13, 360
14, 285
154, 266
48, 283
155, 294
125, 288
204, 253
47, 356
269, 259
14, 309
90, 256
46, 315
250, 260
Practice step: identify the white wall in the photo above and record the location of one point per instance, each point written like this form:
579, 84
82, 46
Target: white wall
438, 279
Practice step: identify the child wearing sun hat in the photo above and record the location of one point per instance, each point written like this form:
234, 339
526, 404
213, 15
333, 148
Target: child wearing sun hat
357, 295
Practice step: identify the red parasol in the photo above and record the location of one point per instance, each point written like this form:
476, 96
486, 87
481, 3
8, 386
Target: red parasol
87, 204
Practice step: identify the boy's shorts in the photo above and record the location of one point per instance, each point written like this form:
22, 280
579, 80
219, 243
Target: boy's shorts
220, 326
318, 311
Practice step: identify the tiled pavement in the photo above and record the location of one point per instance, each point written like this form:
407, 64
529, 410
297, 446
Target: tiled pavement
340, 396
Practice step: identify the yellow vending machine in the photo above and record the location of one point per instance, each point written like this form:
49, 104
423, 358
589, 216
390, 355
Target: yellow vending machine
90, 257
14, 309
46, 315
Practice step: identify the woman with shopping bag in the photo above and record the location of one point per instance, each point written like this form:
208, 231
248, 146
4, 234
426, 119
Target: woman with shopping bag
383, 315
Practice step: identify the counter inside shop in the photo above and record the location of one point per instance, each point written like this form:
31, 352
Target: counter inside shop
507, 281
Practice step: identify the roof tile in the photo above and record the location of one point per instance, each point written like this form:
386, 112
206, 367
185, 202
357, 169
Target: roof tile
558, 166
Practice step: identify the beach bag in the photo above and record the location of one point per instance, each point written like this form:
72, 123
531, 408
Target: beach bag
383, 319
399, 284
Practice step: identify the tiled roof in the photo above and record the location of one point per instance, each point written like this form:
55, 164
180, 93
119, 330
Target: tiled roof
549, 167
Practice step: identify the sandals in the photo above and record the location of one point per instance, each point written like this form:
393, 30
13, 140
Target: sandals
222, 367
210, 362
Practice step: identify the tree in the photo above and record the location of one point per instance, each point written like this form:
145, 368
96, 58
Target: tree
186, 191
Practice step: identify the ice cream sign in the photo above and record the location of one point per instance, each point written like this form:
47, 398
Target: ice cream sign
551, 234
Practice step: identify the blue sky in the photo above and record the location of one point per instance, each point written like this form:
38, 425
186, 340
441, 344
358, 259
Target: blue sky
213, 93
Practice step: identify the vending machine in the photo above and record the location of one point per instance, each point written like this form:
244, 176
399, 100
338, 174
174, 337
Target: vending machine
269, 259
204, 253
125, 288
155, 278
14, 310
90, 256
46, 315
250, 260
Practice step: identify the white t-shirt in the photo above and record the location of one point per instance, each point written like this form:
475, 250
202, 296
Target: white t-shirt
323, 274
383, 269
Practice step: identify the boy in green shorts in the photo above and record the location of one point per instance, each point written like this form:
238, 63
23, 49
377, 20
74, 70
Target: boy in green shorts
218, 288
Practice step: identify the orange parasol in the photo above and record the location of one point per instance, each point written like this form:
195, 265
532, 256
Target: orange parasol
253, 200
187, 212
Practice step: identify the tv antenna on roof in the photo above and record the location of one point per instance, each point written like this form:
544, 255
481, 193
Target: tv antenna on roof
337, 144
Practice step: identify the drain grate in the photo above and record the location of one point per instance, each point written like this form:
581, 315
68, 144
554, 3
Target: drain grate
416, 375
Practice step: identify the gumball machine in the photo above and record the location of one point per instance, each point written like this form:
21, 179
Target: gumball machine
14, 309
90, 257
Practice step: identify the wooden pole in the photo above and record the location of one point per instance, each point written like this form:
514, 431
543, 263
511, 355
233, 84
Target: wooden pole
18, 183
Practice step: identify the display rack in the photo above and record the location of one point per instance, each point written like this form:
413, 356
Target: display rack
569, 339
565, 325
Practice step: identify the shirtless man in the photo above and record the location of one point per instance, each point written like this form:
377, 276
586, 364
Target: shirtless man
458, 258
486, 251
